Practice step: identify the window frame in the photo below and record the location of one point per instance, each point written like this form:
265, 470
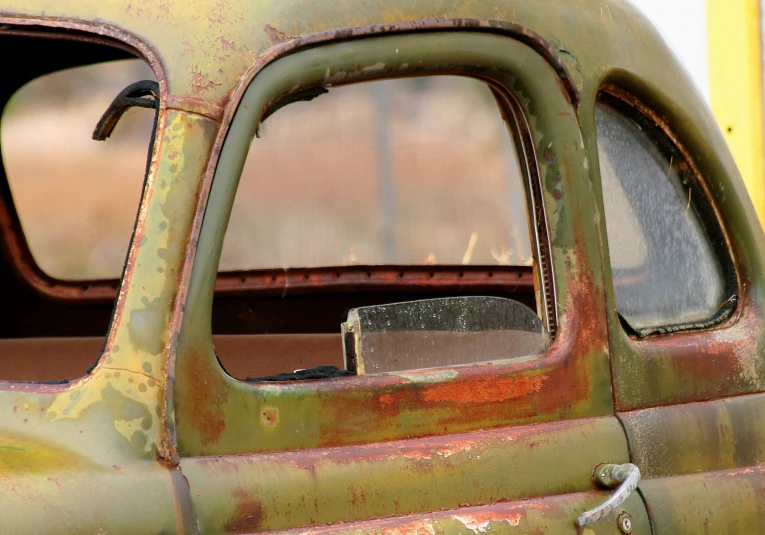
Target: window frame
707, 362
409, 278
578, 357
438, 278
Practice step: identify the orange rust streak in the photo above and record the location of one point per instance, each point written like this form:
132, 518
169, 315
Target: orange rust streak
248, 514
483, 390
205, 397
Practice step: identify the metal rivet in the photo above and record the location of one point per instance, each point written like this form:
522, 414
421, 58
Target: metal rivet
625, 523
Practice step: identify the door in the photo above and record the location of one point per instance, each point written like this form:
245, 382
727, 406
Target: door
508, 443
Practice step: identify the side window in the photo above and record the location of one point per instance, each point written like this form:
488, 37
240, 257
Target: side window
665, 264
408, 171
76, 198
68, 202
391, 181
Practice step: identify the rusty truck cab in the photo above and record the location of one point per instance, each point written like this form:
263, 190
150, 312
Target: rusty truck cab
293, 314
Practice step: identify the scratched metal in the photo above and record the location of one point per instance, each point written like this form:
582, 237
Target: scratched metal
725, 501
549, 515
274, 491
218, 415
110, 438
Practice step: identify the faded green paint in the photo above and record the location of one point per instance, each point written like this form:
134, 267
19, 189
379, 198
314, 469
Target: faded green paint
328, 486
106, 440
549, 515
98, 440
698, 437
219, 415
125, 497
727, 501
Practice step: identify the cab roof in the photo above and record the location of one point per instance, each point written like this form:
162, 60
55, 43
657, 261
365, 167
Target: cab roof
203, 51
204, 48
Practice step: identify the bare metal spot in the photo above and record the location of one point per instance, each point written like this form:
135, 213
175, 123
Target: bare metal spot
275, 36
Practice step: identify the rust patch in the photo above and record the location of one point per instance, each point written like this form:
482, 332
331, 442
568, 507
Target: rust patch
208, 395
201, 82
416, 527
270, 416
434, 448
275, 36
704, 364
386, 399
484, 390
247, 516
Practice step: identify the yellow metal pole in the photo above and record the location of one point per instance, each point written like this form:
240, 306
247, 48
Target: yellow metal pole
735, 80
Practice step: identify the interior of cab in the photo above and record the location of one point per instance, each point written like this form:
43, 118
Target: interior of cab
416, 225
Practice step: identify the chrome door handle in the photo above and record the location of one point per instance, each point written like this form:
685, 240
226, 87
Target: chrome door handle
609, 476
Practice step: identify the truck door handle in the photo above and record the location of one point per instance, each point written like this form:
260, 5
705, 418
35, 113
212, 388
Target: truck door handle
609, 476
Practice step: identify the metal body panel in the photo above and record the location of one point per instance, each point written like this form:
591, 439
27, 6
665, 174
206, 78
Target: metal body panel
697, 437
726, 501
112, 426
703, 464
549, 515
217, 415
52, 491
276, 491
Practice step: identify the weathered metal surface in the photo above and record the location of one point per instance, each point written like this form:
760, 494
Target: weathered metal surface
114, 423
93, 441
724, 439
726, 501
697, 437
548, 515
274, 491
215, 414
118, 424
51, 489
693, 366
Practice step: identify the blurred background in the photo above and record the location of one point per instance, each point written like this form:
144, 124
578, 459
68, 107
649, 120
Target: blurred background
720, 43
435, 176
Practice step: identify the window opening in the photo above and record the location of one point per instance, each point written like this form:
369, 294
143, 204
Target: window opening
76, 199
68, 200
408, 173
417, 171
665, 255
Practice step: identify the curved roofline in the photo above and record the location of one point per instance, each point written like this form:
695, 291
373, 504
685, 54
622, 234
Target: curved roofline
510, 29
207, 46
88, 32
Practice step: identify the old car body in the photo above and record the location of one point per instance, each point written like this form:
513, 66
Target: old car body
157, 438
